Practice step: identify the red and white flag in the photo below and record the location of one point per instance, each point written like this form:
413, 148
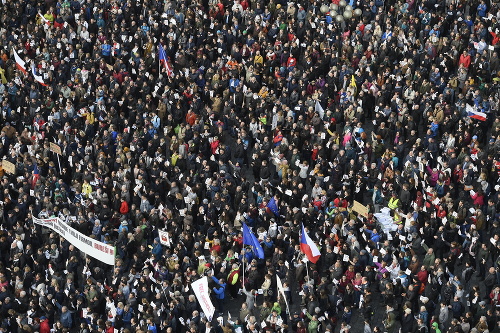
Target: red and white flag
308, 247
38, 78
473, 113
20, 63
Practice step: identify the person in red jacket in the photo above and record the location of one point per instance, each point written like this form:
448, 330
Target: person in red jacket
124, 207
44, 325
465, 59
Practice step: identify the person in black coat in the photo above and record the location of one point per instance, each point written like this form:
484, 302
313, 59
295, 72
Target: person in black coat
407, 321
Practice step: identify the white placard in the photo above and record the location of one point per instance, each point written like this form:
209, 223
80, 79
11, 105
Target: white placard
200, 288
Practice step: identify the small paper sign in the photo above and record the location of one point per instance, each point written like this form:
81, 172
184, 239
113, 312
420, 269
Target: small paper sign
164, 237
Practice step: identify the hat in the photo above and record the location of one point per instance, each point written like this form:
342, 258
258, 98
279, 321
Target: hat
482, 303
43, 318
474, 137
124, 223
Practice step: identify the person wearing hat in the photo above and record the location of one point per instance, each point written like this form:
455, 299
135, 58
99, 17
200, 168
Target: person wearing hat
157, 249
435, 327
44, 325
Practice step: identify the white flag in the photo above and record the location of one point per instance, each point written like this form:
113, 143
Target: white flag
281, 290
200, 288
319, 109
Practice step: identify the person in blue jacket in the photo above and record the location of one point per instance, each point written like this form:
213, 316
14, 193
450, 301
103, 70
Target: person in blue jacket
374, 236
220, 291
157, 248
65, 316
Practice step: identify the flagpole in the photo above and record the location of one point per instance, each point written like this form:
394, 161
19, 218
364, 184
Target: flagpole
307, 272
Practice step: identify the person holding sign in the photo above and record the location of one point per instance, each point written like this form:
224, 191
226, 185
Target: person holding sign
220, 292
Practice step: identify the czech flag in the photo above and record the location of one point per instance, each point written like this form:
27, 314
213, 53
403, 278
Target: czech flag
38, 78
36, 176
162, 56
471, 112
308, 247
20, 63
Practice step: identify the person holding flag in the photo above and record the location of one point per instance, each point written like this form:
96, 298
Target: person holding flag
162, 56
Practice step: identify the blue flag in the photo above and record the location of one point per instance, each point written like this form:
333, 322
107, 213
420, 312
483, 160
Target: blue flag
273, 207
250, 239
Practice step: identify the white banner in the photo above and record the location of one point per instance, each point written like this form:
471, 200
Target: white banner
90, 246
200, 288
164, 237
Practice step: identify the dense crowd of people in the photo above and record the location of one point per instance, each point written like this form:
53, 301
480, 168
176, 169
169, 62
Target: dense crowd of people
374, 124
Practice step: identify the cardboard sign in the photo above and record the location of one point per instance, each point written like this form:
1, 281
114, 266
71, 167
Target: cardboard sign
9, 167
360, 209
54, 147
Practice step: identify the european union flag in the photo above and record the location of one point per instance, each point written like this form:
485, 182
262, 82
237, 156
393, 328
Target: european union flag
250, 239
273, 207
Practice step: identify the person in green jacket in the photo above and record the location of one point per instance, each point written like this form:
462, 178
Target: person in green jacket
312, 327
390, 320
435, 327
276, 307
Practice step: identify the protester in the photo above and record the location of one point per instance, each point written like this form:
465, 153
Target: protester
359, 142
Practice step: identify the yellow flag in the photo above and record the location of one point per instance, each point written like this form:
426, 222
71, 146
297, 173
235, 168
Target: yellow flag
353, 84
2, 76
